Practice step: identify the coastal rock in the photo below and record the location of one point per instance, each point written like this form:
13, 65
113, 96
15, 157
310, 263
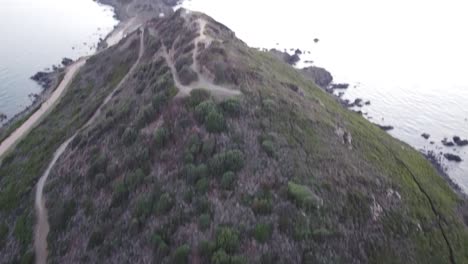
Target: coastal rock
425, 135
452, 157
294, 59
358, 102
316, 40
385, 128
447, 143
66, 61
320, 76
44, 79
460, 142
339, 86
298, 52
367, 102
3, 117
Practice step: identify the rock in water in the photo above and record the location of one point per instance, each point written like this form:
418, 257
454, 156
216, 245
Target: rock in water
425, 135
452, 157
460, 142
447, 143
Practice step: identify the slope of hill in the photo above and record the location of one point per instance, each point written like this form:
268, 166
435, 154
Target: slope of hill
213, 152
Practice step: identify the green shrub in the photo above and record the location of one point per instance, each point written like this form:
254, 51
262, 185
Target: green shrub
194, 173
203, 109
262, 232
227, 239
231, 160
160, 246
129, 136
215, 122
197, 96
208, 147
239, 260
159, 101
202, 185
206, 248
262, 206
303, 196
3, 233
143, 208
228, 180
181, 255
194, 144
96, 239
98, 165
220, 257
204, 221
64, 213
164, 204
23, 230
120, 194
135, 179
268, 147
232, 107
147, 115
202, 205
161, 137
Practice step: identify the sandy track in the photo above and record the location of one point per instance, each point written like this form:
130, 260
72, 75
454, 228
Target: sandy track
42, 225
45, 108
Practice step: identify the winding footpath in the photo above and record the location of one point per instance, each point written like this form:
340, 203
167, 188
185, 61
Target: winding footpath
42, 225
43, 110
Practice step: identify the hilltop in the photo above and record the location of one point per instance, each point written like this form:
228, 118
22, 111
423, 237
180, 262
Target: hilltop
208, 151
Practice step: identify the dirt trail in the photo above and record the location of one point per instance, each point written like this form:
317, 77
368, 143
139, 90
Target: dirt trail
45, 108
42, 225
203, 83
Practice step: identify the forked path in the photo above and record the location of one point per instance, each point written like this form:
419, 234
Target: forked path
203, 82
42, 225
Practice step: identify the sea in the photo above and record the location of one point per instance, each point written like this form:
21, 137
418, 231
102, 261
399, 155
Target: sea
35, 35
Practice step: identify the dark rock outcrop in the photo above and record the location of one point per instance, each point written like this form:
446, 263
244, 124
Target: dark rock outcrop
385, 128
339, 86
66, 61
447, 143
452, 157
320, 76
425, 135
44, 79
285, 57
460, 142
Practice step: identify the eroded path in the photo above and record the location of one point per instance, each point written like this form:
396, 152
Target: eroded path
42, 225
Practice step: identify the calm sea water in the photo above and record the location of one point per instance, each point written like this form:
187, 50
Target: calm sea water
37, 34
409, 58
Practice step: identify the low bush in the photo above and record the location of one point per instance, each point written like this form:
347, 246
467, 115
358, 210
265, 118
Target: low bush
231, 160
161, 137
215, 122
197, 96
165, 204
204, 221
262, 206
228, 180
220, 257
181, 255
268, 147
227, 239
262, 232
96, 239
202, 185
129, 136
232, 107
